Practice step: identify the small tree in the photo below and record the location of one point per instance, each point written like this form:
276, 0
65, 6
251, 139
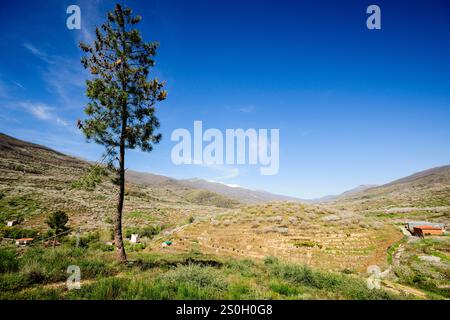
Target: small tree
121, 110
57, 222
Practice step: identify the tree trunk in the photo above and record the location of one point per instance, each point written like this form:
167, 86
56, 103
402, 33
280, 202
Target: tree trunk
118, 239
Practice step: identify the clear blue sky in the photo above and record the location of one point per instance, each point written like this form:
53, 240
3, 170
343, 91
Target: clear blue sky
353, 106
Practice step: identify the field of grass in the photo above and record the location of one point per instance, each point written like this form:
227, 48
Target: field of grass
40, 273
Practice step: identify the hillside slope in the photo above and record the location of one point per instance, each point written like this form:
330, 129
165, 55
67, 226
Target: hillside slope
428, 188
331, 198
36, 180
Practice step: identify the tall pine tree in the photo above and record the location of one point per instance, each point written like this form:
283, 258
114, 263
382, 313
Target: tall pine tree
122, 98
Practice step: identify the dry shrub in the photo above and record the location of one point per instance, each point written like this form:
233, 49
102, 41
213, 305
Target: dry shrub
255, 225
283, 230
293, 220
331, 217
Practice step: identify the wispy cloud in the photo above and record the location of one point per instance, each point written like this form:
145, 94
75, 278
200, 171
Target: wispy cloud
38, 53
92, 17
43, 112
18, 84
247, 109
225, 172
63, 76
3, 91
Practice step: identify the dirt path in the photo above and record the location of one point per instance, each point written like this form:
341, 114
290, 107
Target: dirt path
396, 261
402, 289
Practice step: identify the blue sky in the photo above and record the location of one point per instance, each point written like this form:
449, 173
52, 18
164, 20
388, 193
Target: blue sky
354, 106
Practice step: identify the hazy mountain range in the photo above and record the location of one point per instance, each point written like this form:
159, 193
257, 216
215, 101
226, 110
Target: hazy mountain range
431, 185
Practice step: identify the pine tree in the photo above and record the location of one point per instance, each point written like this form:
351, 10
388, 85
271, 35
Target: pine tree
122, 98
57, 221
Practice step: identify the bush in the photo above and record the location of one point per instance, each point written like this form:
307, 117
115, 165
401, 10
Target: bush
245, 267
184, 282
57, 222
284, 288
148, 231
41, 265
12, 282
347, 286
88, 240
17, 232
8, 260
194, 282
101, 247
89, 181
307, 244
132, 247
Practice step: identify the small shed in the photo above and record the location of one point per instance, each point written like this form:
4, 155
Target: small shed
427, 230
134, 238
24, 241
411, 224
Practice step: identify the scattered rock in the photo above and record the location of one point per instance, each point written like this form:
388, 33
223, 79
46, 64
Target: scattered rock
430, 258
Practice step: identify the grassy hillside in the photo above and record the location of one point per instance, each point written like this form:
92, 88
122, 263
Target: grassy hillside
36, 180
429, 188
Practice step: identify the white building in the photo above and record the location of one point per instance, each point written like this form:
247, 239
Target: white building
11, 223
134, 238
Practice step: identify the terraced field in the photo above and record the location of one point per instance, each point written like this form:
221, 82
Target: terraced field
292, 232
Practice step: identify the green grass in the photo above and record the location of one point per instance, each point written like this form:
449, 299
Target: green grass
18, 206
393, 248
170, 276
429, 277
93, 176
8, 261
347, 286
48, 265
203, 197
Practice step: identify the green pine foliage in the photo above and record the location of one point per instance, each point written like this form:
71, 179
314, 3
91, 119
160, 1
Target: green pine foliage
122, 97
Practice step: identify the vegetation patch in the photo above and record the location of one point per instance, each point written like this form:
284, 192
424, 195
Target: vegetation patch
89, 181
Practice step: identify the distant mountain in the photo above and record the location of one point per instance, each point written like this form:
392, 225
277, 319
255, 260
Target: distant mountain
40, 167
241, 194
22, 156
428, 188
331, 198
148, 179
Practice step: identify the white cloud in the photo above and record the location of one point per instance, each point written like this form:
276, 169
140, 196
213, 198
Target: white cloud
38, 53
247, 109
43, 112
